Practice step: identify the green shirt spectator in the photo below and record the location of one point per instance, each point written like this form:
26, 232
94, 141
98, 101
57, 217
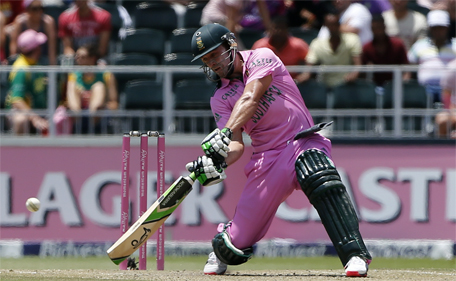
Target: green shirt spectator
27, 86
28, 89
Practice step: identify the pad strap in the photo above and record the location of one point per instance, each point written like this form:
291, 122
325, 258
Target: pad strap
226, 252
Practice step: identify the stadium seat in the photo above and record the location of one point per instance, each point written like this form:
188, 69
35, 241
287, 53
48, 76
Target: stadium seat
249, 36
180, 41
146, 41
193, 94
192, 16
305, 34
184, 59
156, 16
54, 11
130, 6
133, 59
116, 19
4, 88
314, 94
359, 94
143, 94
413, 96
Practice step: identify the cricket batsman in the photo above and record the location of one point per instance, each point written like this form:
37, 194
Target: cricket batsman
255, 94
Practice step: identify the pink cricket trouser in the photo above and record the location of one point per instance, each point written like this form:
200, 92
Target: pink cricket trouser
271, 178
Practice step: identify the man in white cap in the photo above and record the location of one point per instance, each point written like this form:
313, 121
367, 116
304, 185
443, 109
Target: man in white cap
433, 53
27, 89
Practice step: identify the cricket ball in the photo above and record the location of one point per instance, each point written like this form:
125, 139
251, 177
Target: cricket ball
33, 204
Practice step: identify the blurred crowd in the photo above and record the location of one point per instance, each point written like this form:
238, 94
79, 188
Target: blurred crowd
314, 32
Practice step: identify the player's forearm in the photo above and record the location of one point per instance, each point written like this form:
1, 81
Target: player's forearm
243, 110
247, 104
236, 149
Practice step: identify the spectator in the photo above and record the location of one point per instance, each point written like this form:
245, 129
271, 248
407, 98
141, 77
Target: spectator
430, 4
406, 24
446, 120
127, 22
27, 89
376, 6
225, 12
290, 50
339, 49
35, 19
258, 14
11, 9
308, 14
90, 90
433, 53
354, 18
55, 2
451, 8
2, 37
239, 14
83, 24
384, 50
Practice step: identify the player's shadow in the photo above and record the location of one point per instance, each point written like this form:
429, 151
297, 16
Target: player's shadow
275, 275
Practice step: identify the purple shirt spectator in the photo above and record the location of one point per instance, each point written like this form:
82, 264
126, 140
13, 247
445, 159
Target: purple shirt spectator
376, 6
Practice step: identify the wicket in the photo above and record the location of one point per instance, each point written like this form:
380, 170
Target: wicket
125, 179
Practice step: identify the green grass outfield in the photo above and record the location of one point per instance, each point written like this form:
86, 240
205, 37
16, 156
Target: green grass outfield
195, 263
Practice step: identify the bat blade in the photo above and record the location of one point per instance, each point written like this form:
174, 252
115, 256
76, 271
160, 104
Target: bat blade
151, 220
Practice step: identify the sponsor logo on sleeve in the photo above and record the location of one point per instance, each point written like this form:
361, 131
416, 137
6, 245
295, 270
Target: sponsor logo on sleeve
260, 62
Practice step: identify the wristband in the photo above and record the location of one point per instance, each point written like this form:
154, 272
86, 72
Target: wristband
227, 132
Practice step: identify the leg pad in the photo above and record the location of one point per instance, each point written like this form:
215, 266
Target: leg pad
321, 183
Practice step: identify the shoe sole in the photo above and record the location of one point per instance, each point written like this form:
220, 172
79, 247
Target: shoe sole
214, 273
355, 274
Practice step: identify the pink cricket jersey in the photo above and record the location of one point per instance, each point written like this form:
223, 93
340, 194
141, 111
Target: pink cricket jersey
280, 108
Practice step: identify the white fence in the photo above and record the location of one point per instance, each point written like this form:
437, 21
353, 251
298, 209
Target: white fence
395, 122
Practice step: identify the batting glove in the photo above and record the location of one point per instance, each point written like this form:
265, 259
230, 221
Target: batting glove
205, 171
215, 145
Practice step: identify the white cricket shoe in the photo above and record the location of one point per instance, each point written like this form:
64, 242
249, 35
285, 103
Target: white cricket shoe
214, 266
356, 267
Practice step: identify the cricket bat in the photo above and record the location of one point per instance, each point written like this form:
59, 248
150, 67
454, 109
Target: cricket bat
151, 220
